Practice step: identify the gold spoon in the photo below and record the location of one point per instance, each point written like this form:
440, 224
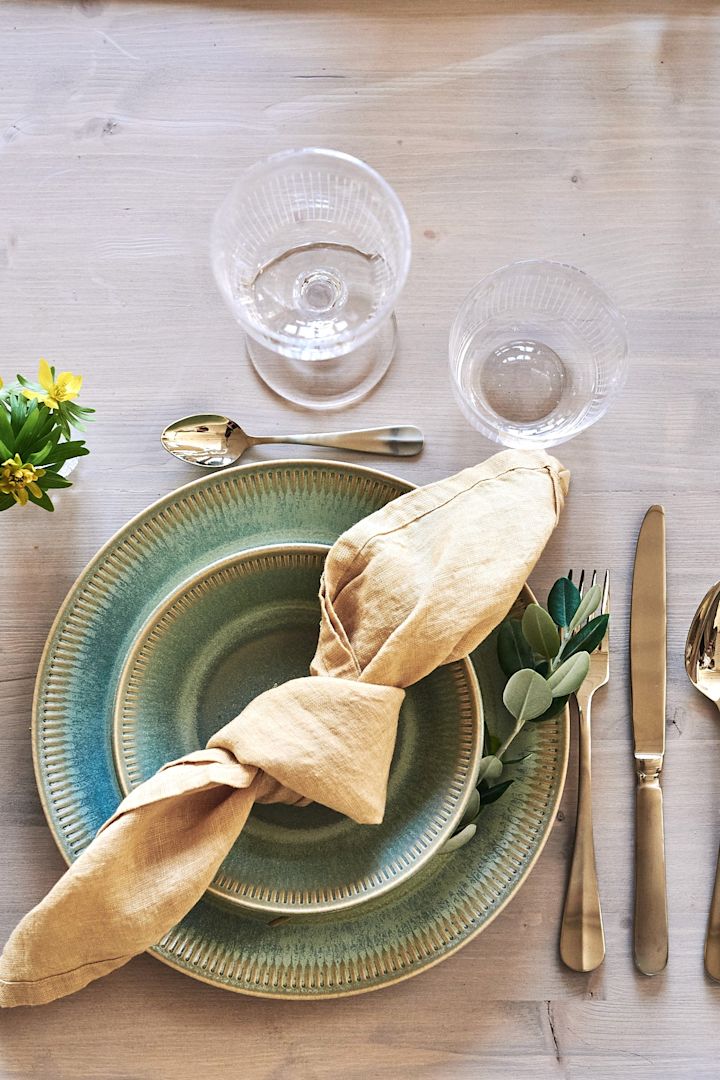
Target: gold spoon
702, 662
214, 441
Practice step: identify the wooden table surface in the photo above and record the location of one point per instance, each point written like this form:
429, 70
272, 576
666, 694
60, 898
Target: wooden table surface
582, 131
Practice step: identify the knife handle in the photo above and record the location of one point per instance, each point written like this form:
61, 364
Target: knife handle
651, 918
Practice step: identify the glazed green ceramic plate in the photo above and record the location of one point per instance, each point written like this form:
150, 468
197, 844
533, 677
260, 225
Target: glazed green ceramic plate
399, 934
251, 622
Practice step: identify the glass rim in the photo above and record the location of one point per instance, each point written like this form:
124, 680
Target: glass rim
553, 264
350, 339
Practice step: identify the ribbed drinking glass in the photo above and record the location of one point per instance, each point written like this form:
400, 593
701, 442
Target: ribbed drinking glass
537, 353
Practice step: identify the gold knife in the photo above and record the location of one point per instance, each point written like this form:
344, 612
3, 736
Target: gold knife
648, 645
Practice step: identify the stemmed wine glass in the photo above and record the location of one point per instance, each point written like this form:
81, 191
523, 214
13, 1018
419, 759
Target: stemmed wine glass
311, 249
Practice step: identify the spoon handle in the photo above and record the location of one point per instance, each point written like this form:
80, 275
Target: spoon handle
712, 940
397, 441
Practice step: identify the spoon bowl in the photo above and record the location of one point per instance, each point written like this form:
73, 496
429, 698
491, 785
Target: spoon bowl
702, 650
702, 663
213, 441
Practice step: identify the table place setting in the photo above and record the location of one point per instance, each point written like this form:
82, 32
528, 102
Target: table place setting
300, 728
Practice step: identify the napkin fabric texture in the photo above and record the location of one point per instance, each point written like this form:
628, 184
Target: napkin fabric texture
417, 584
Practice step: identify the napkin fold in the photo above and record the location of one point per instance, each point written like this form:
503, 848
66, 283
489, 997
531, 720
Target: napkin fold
417, 584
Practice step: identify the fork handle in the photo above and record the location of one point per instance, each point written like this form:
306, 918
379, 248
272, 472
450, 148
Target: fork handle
582, 939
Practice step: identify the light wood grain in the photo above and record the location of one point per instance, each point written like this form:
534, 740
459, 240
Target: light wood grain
587, 132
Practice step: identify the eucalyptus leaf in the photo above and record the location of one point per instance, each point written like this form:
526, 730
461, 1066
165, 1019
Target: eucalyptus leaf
587, 638
517, 760
540, 631
588, 604
494, 793
460, 839
563, 601
570, 676
514, 652
555, 709
472, 809
491, 768
527, 695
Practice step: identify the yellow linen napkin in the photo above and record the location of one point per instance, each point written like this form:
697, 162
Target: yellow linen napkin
417, 584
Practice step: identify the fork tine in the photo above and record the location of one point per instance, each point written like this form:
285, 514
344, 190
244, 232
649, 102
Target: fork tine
594, 579
581, 582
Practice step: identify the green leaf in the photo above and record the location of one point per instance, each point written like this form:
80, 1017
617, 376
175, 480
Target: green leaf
563, 601
517, 760
6, 501
526, 695
543, 668
24, 437
52, 480
18, 411
555, 709
587, 638
570, 676
43, 500
4, 453
24, 382
513, 650
494, 793
589, 602
460, 839
6, 432
491, 768
540, 631
65, 450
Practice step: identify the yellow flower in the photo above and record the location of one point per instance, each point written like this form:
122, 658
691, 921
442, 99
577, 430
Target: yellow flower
65, 388
17, 479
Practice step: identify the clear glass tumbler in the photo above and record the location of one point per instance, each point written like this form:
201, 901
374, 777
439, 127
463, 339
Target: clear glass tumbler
537, 353
311, 249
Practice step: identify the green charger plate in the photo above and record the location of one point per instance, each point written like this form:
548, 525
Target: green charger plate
397, 935
246, 624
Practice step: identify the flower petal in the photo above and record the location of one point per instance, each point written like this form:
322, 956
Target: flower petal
70, 383
35, 489
32, 395
45, 375
20, 495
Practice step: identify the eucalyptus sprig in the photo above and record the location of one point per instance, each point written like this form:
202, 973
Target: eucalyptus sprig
545, 657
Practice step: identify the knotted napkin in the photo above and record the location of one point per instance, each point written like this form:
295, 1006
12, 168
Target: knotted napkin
417, 584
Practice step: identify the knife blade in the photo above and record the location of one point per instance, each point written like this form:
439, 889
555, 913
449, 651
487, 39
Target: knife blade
648, 648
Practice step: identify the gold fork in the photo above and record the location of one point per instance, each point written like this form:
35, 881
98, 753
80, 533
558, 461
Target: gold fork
582, 939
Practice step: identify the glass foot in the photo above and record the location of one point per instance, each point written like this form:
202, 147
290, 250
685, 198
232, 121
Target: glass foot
327, 384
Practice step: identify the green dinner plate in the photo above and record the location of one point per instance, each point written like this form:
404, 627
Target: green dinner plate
421, 921
246, 624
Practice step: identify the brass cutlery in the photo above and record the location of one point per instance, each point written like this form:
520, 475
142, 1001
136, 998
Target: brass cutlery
582, 938
648, 632
213, 441
701, 651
